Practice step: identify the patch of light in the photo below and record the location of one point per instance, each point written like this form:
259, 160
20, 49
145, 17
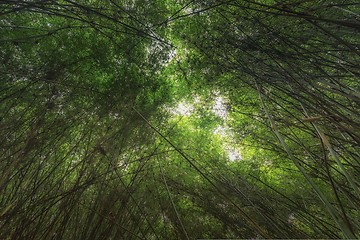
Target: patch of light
188, 10
183, 108
196, 99
221, 130
171, 54
234, 155
219, 108
227, 135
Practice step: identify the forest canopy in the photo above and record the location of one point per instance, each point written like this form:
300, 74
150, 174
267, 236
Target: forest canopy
179, 119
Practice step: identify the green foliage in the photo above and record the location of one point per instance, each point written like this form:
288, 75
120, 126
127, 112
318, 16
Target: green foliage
94, 143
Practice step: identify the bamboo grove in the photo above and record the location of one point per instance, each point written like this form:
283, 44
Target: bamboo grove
91, 146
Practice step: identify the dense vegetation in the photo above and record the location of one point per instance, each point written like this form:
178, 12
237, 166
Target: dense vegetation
179, 119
